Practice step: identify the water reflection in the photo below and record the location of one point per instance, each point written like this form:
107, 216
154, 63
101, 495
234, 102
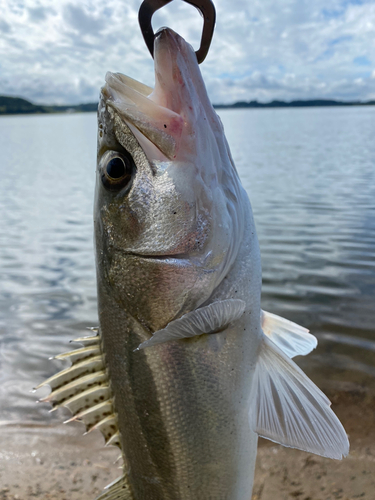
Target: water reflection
46, 252
311, 180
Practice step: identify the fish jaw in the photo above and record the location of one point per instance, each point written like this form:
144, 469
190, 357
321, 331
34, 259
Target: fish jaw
169, 120
179, 86
183, 214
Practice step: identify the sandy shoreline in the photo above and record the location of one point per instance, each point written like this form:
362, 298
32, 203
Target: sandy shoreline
58, 463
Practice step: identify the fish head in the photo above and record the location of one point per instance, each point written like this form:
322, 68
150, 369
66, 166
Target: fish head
169, 211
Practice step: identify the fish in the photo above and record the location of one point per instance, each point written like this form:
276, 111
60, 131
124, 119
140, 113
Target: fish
185, 370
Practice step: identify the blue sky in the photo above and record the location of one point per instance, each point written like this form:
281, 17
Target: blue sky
58, 52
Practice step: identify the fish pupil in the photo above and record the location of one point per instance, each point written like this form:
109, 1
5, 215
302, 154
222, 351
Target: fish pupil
116, 168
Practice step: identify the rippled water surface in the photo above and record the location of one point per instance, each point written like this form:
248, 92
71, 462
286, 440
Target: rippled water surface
310, 175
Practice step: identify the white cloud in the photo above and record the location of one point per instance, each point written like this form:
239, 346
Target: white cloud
265, 50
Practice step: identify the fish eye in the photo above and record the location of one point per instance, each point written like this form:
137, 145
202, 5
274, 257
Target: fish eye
116, 170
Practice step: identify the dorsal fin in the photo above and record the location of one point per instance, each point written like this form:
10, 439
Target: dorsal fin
84, 389
80, 354
209, 319
118, 490
292, 339
289, 409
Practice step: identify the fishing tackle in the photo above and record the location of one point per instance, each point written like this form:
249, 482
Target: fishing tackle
206, 8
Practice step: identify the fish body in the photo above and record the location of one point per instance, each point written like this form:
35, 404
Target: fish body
190, 240
192, 369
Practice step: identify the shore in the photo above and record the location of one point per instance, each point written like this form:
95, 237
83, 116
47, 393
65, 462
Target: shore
58, 463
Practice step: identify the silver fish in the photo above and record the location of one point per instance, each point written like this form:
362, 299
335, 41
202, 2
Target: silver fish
186, 370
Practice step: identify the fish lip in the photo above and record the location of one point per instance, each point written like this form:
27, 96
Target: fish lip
160, 257
178, 258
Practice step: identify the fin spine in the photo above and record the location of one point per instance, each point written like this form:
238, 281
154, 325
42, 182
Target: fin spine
84, 388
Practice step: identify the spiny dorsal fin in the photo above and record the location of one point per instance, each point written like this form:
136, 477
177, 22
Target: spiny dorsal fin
84, 389
289, 409
118, 490
75, 387
77, 370
114, 440
89, 340
108, 427
209, 319
292, 339
80, 354
93, 415
86, 399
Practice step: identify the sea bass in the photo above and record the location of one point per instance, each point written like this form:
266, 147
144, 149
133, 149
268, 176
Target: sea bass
185, 370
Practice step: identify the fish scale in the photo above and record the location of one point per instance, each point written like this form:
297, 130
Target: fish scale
186, 370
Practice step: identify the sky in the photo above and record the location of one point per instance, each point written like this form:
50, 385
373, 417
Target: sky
57, 52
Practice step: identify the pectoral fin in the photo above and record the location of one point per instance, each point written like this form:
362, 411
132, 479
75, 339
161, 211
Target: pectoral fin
292, 339
210, 319
289, 409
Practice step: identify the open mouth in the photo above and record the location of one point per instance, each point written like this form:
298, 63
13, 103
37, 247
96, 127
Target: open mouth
134, 103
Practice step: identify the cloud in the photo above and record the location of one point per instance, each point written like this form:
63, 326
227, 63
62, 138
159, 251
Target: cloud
288, 87
4, 26
362, 61
37, 14
82, 21
265, 50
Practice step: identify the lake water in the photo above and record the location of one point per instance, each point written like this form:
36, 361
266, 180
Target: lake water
310, 175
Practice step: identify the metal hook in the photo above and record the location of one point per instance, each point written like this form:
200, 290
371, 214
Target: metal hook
206, 7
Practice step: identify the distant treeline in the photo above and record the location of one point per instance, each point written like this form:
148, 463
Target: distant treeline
17, 105
293, 104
